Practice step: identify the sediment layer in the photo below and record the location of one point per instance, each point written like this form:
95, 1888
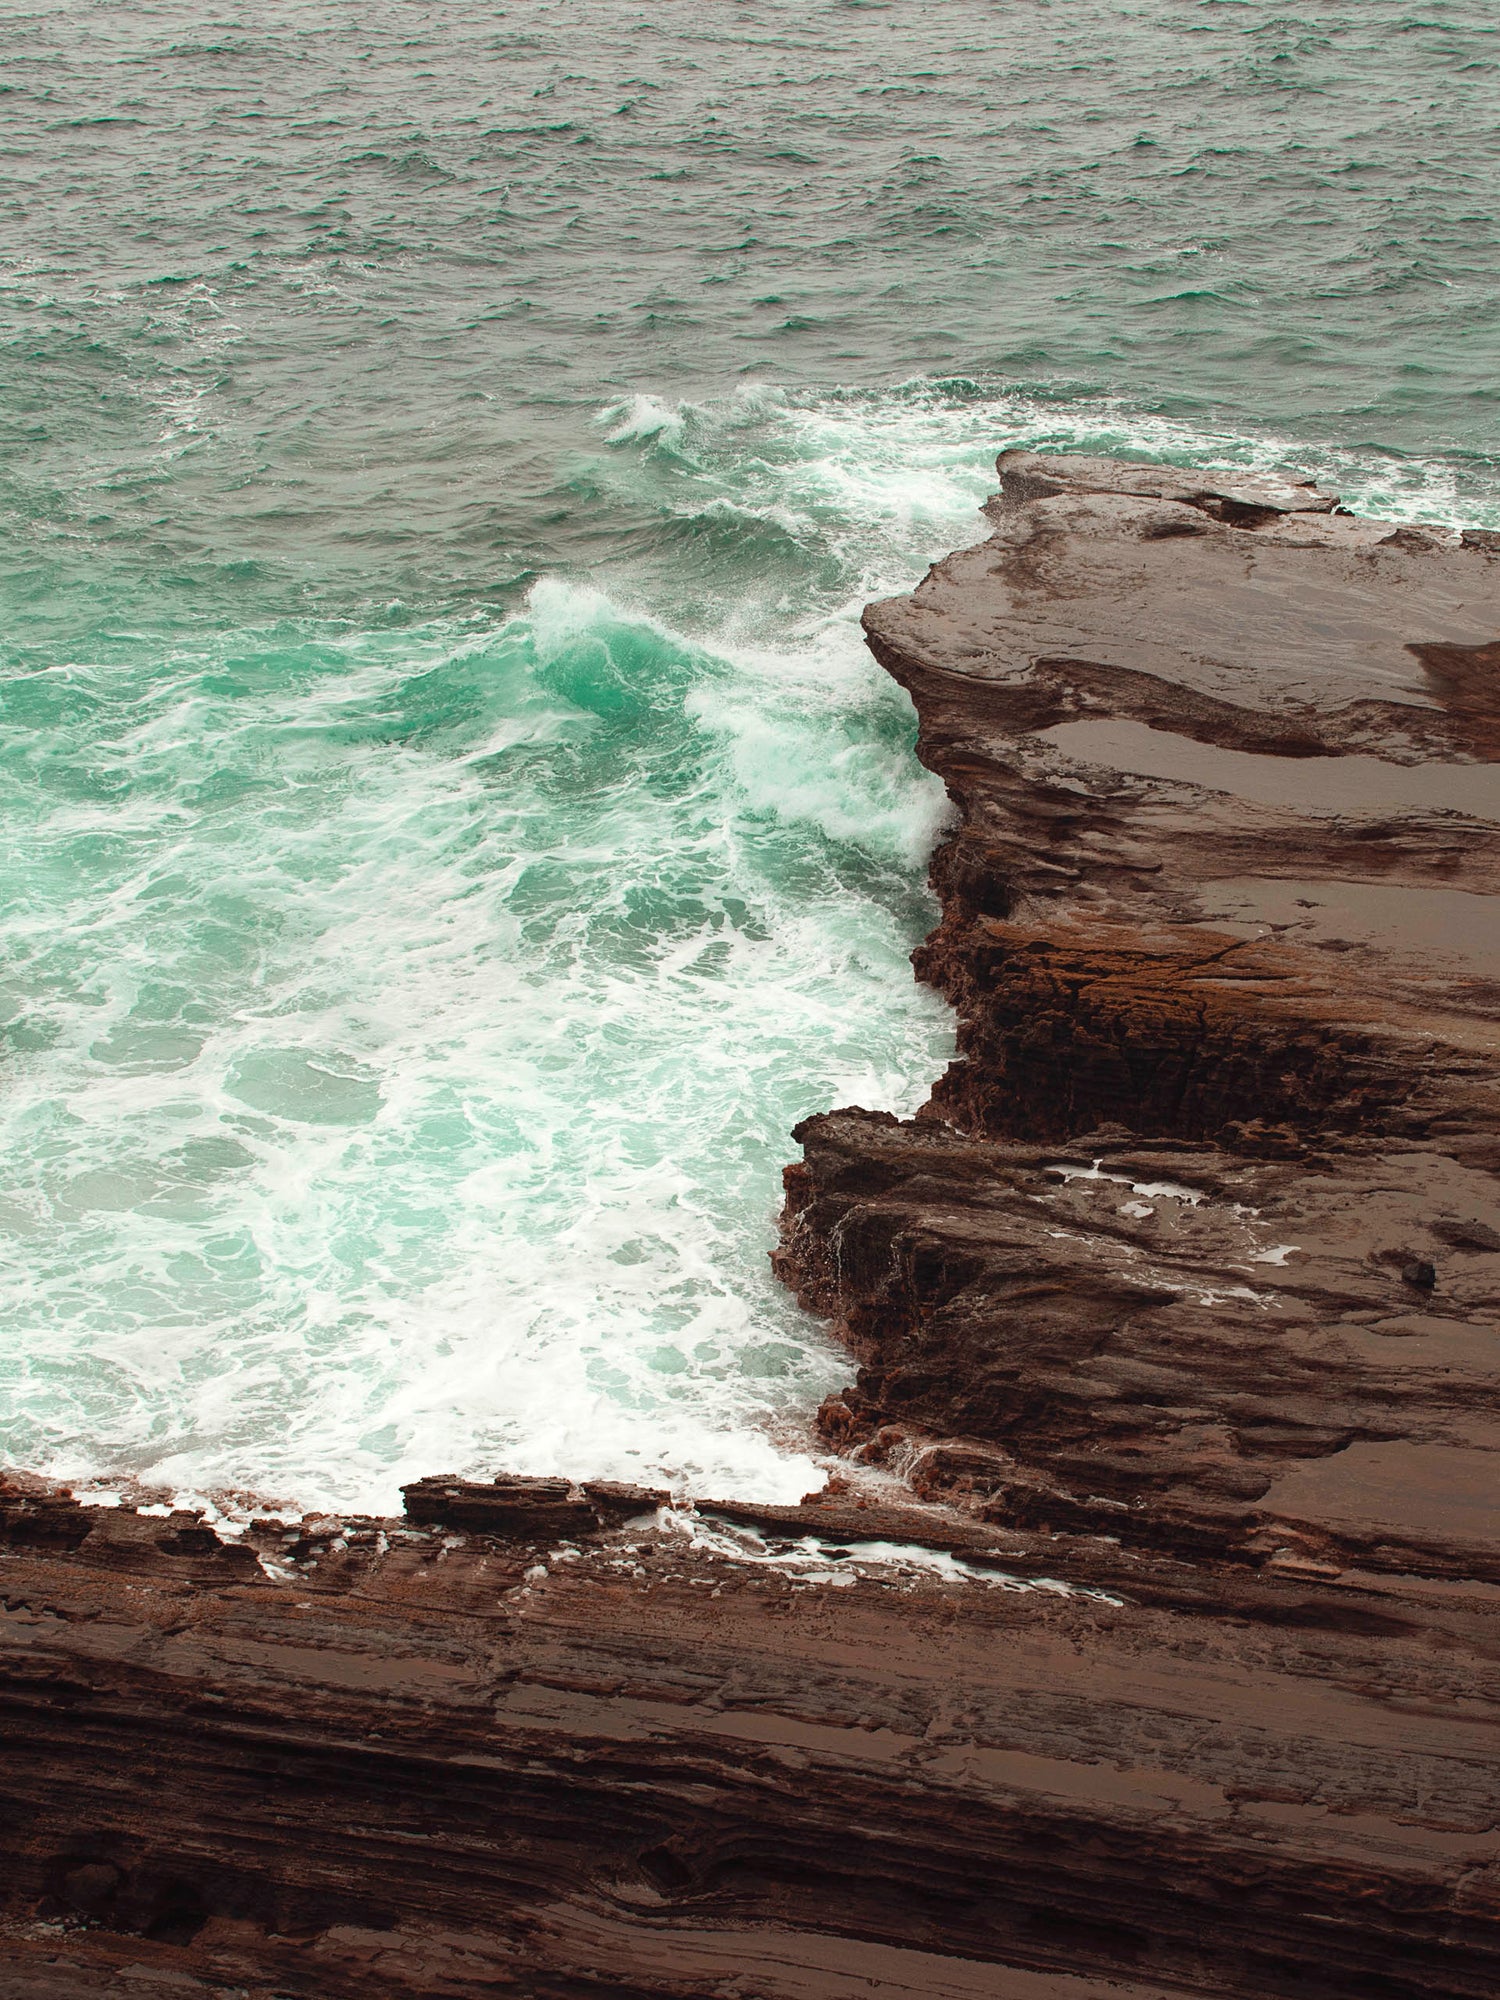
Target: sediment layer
1149, 1646
1198, 1242
686, 1757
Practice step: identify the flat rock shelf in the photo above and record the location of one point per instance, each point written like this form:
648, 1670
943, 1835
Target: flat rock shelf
1147, 1645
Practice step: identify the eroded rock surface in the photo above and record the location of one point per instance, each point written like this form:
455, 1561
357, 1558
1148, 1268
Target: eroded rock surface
736, 1752
1198, 1242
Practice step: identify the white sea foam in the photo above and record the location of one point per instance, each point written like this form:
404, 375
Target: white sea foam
417, 1051
1149, 1190
893, 465
822, 1560
407, 1025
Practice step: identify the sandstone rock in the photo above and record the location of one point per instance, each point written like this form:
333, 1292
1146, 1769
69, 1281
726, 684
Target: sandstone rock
1210, 1192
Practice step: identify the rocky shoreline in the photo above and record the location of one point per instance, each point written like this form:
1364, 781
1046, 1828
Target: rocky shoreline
1196, 1242
1148, 1647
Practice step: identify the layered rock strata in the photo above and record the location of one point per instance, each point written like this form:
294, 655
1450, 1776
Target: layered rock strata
1149, 1647
697, 1754
1198, 1242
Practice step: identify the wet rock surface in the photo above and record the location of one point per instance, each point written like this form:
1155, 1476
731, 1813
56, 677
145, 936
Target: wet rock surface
1148, 1644
697, 1755
1190, 1244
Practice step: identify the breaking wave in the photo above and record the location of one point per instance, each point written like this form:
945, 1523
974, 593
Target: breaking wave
407, 1020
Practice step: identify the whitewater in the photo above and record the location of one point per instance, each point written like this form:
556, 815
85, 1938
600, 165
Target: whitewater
450, 827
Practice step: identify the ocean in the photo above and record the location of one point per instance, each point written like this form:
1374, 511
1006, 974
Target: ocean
450, 828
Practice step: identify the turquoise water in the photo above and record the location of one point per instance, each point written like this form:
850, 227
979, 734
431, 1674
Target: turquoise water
449, 828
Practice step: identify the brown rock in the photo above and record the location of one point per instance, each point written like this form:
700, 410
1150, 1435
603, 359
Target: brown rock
1221, 921
527, 1509
409, 1762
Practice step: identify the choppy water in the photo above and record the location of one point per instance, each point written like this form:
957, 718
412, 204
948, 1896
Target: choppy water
449, 829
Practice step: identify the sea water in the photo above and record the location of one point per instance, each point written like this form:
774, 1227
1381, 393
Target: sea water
450, 829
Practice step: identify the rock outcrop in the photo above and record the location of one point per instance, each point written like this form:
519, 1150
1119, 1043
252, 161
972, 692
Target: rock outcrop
1149, 1647
1198, 1242
734, 1752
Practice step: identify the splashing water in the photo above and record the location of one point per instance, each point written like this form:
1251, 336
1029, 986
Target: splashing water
450, 828
407, 1025
408, 1031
